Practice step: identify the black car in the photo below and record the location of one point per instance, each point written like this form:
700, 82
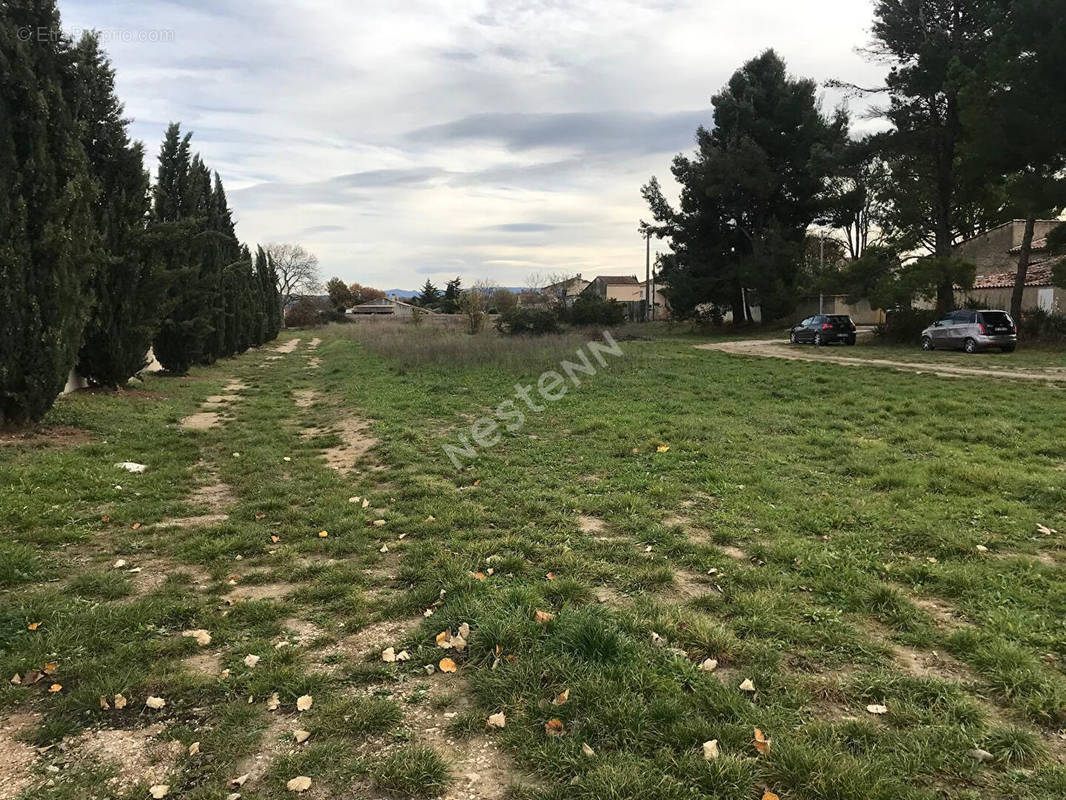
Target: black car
824, 329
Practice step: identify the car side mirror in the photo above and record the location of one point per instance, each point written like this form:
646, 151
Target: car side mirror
936, 324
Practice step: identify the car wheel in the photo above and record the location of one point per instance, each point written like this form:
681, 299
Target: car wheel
927, 343
792, 338
818, 340
970, 346
850, 342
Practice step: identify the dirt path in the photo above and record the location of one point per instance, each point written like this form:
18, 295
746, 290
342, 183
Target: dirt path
772, 348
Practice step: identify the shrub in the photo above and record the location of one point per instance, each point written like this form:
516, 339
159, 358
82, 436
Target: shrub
594, 311
531, 321
306, 312
1043, 325
905, 326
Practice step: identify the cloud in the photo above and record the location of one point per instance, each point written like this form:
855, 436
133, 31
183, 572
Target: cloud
486, 138
522, 227
586, 132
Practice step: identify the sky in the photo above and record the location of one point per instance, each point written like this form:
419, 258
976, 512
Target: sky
487, 139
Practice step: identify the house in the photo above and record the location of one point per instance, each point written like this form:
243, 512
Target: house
385, 307
995, 254
625, 289
566, 291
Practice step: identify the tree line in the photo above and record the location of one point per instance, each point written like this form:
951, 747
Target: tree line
97, 264
976, 135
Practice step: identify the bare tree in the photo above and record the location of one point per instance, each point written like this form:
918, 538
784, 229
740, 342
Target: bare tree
296, 268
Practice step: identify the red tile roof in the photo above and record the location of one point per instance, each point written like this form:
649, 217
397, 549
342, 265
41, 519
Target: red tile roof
1039, 274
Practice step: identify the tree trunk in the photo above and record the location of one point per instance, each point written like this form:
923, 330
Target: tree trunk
1023, 269
739, 317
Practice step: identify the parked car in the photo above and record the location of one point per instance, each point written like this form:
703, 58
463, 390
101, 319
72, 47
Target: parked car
972, 331
824, 329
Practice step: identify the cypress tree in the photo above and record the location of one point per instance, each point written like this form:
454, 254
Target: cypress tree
48, 242
268, 281
177, 214
126, 301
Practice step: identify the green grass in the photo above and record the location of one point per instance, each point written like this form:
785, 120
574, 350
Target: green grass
839, 509
1029, 355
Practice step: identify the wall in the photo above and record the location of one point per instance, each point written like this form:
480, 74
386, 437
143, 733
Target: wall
1047, 297
861, 313
990, 252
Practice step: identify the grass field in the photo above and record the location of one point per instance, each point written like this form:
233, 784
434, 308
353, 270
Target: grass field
840, 537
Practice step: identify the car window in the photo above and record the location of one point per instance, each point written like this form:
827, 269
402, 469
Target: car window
995, 319
948, 320
805, 322
965, 317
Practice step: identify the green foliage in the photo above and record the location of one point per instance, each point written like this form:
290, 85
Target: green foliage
450, 300
749, 194
520, 321
49, 245
339, 294
905, 325
935, 196
429, 296
126, 289
595, 311
220, 302
1041, 325
268, 282
305, 312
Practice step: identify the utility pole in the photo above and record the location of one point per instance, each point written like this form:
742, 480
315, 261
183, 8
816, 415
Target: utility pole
821, 272
647, 276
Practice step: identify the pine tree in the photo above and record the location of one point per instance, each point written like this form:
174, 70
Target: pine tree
48, 242
126, 302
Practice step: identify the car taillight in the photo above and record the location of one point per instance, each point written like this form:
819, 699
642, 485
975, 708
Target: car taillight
852, 324
981, 327
826, 327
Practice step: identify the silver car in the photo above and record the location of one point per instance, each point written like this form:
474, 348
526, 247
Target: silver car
972, 331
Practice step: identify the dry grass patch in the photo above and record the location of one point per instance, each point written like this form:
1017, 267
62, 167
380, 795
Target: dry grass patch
137, 755
287, 346
46, 437
304, 398
356, 442
201, 421
16, 758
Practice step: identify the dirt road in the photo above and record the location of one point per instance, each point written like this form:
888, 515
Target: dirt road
773, 348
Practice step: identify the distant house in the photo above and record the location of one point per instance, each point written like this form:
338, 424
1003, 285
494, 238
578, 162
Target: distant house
625, 289
385, 307
995, 254
566, 291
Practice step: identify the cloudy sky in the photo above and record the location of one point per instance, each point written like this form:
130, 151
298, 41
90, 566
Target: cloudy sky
491, 139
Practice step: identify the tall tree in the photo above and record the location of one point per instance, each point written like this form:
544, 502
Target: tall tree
749, 193
932, 48
297, 270
429, 296
340, 295
49, 246
1016, 110
453, 291
126, 289
268, 281
178, 213
858, 196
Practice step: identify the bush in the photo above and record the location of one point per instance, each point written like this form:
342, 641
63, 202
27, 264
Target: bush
1043, 325
531, 321
906, 325
307, 312
594, 311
